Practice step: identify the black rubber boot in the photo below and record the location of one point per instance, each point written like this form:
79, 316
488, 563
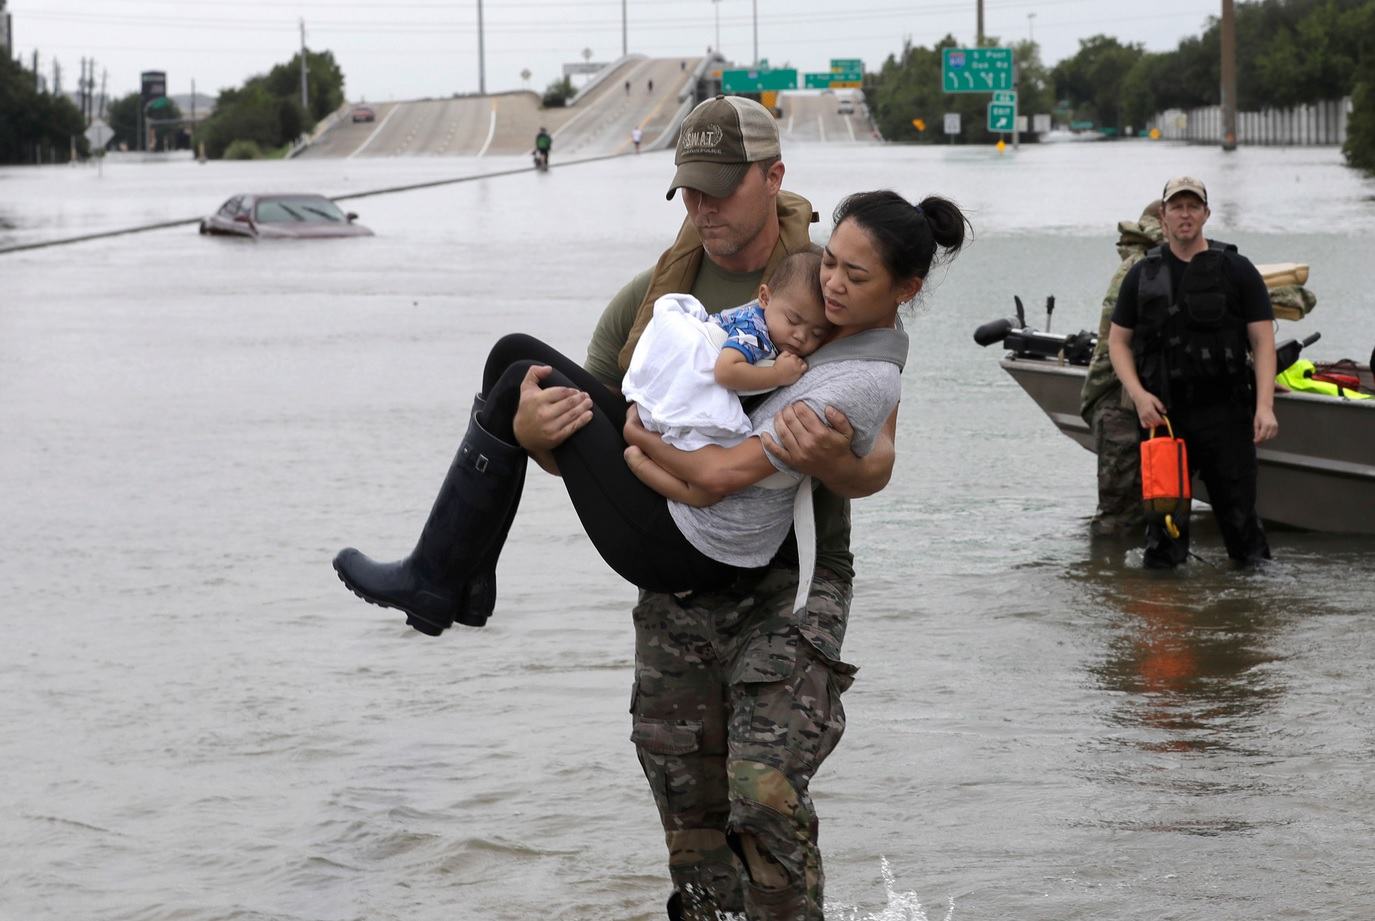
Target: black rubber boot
468, 518
481, 592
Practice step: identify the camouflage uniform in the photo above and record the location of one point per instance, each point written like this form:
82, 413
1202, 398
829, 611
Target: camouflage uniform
736, 703
1108, 410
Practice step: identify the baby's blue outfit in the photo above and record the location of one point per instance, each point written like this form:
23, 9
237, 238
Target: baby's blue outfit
746, 331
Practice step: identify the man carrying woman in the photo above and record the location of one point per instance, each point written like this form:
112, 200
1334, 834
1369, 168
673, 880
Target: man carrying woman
737, 690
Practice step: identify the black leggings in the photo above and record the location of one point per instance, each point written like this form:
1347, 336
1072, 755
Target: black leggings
628, 522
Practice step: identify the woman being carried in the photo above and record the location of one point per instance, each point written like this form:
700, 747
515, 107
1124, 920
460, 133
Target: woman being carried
717, 519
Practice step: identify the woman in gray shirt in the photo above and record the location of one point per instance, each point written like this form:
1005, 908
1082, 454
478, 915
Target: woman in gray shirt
663, 519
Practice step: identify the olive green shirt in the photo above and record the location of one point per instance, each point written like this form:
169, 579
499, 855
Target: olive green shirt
718, 289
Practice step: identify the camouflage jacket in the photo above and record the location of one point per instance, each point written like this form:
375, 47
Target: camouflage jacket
1134, 238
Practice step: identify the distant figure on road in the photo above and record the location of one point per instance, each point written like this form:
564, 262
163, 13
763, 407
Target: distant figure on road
651, 86
682, 65
636, 135
544, 142
627, 87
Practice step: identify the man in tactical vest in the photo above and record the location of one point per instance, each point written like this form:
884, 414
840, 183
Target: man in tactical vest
1187, 316
736, 699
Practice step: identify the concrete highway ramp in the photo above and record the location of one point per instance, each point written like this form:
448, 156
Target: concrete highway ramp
824, 117
648, 93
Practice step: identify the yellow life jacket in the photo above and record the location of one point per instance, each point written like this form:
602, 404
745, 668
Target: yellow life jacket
1298, 377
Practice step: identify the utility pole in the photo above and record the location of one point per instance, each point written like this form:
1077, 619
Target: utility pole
104, 74
979, 35
755, 6
1229, 76
57, 77
716, 5
193, 103
305, 97
481, 60
625, 32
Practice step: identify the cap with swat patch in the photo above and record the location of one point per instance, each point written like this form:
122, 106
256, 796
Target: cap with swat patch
1184, 184
718, 142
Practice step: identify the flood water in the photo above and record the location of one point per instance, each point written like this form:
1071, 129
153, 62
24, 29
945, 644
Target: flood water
201, 723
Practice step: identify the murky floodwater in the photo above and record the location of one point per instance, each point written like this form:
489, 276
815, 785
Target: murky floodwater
201, 723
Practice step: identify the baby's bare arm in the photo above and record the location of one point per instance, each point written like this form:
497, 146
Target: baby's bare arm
734, 372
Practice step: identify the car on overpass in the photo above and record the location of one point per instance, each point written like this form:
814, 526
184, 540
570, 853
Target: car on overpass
363, 114
282, 216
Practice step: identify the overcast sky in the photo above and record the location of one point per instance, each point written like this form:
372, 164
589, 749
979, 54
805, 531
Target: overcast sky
412, 48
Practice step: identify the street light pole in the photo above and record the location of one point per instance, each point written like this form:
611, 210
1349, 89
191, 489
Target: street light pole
625, 42
305, 98
1229, 76
979, 36
716, 5
1030, 30
481, 59
755, 5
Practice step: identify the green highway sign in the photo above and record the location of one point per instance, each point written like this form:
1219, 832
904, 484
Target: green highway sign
840, 64
976, 70
832, 80
758, 81
1005, 97
1001, 117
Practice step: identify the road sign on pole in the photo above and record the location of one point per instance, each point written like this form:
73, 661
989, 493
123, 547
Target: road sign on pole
1001, 118
840, 64
758, 81
952, 122
976, 70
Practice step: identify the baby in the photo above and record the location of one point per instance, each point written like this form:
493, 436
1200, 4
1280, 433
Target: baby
688, 367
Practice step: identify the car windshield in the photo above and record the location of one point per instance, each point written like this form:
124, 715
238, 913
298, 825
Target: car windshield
309, 209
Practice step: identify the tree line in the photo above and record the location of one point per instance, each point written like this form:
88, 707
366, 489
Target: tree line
265, 115
1289, 52
39, 127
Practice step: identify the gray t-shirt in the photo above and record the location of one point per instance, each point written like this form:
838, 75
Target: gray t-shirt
746, 528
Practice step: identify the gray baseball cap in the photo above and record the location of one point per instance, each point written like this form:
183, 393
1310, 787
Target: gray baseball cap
1184, 184
718, 142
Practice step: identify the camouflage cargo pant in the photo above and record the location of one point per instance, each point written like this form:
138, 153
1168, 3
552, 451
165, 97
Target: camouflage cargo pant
735, 705
1117, 440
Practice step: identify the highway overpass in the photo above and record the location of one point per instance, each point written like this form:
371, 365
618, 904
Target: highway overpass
652, 94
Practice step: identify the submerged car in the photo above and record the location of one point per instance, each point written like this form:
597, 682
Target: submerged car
259, 216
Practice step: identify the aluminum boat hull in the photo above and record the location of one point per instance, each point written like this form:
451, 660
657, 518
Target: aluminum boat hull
1317, 474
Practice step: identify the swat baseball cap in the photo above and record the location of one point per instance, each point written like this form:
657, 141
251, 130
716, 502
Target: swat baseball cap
1184, 184
718, 142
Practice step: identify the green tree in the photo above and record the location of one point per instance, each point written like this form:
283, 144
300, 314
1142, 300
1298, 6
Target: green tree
37, 126
267, 109
1091, 81
1360, 128
324, 82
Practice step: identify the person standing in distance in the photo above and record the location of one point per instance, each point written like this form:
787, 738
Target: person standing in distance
718, 669
1186, 318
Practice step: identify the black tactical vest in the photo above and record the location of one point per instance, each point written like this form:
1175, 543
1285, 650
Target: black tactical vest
1198, 346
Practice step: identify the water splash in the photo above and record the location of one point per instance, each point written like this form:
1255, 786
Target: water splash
902, 906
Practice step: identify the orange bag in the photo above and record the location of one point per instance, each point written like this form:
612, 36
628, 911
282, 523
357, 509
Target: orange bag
1166, 495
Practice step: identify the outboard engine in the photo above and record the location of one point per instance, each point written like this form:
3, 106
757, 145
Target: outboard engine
1025, 342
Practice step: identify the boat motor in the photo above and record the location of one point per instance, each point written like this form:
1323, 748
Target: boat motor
1025, 342
1287, 352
